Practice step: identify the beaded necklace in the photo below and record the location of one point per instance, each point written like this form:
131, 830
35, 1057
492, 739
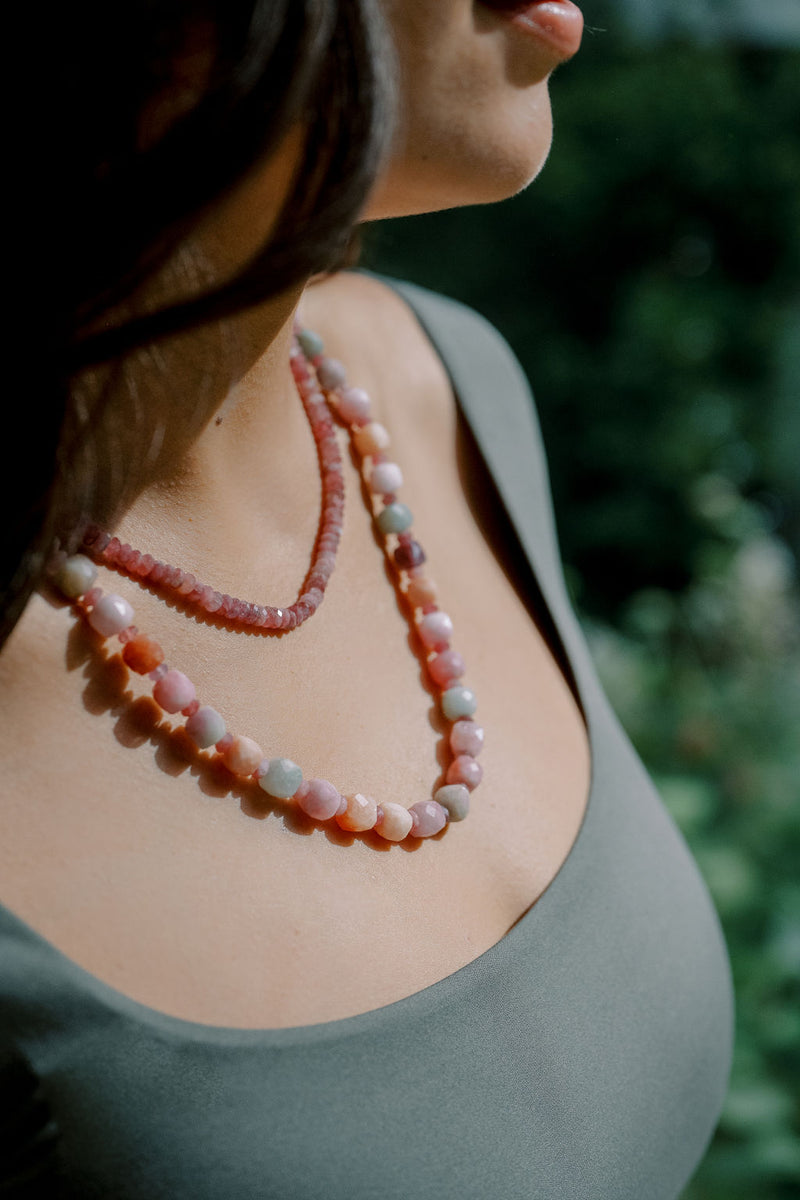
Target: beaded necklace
323, 390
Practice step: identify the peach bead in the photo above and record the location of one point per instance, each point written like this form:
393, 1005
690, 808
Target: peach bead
371, 439
394, 822
421, 591
242, 756
360, 814
142, 654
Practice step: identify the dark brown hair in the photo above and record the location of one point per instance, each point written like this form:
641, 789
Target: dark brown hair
100, 205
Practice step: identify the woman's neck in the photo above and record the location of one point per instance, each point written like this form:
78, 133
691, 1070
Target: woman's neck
239, 466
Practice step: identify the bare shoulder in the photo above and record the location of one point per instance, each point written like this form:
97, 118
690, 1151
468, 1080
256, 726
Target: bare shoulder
374, 331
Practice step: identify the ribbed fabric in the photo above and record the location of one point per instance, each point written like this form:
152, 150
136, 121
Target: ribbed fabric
584, 1057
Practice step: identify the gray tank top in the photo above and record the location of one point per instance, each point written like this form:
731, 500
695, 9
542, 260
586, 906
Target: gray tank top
583, 1057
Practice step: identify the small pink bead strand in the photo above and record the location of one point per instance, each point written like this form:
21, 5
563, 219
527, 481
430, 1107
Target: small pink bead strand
190, 591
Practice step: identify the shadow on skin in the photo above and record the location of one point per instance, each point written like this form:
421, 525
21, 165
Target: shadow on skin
138, 721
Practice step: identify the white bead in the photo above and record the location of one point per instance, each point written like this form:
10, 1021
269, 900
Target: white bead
386, 477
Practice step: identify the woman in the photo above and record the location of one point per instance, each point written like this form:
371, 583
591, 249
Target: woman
215, 993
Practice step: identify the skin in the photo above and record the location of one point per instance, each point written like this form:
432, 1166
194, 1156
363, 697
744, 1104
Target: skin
168, 881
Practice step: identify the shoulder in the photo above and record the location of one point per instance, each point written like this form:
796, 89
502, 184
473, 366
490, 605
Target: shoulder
421, 337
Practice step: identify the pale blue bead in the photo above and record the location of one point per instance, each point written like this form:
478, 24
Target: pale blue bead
281, 779
458, 702
394, 518
311, 343
455, 798
76, 576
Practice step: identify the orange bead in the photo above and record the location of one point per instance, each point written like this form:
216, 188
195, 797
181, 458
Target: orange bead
361, 813
142, 654
421, 591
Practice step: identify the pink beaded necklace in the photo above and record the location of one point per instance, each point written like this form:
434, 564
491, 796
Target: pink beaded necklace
193, 595
323, 390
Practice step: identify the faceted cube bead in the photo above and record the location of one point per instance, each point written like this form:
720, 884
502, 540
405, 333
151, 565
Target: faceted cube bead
205, 727
111, 614
318, 799
429, 818
421, 591
360, 813
409, 555
242, 755
446, 667
372, 438
453, 797
354, 405
281, 778
466, 737
311, 343
466, 770
75, 576
395, 518
331, 373
394, 822
142, 654
385, 477
434, 629
458, 702
174, 691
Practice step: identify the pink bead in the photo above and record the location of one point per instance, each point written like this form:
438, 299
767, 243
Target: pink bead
111, 614
242, 755
466, 770
466, 737
386, 477
394, 822
446, 667
360, 813
318, 799
354, 405
421, 591
428, 817
205, 727
435, 629
174, 691
371, 438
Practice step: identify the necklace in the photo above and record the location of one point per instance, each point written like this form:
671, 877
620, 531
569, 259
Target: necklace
195, 596
323, 388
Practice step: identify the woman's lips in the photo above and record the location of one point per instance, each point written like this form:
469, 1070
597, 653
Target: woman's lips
557, 22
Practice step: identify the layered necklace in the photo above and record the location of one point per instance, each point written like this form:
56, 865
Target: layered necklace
326, 398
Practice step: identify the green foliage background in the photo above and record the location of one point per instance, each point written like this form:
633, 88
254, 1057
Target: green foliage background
650, 284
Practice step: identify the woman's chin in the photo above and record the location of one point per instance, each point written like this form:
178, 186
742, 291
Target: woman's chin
465, 171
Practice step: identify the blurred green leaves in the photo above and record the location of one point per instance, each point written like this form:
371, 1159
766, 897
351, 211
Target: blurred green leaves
650, 284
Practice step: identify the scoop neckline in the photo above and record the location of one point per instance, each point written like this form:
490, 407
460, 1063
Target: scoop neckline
125, 1006
432, 994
